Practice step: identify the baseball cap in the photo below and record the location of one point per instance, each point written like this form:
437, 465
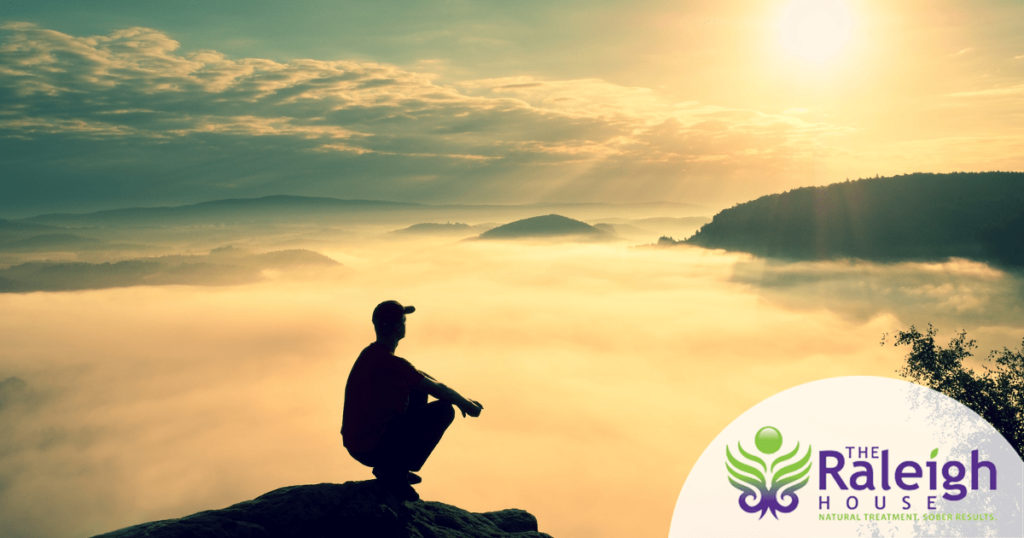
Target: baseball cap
390, 312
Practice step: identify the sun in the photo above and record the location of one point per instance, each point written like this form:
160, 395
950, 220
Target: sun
815, 30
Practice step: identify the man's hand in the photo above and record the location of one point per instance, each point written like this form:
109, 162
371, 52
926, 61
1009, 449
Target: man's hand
442, 392
471, 408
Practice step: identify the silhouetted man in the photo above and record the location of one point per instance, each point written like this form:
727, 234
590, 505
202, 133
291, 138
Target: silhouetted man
387, 423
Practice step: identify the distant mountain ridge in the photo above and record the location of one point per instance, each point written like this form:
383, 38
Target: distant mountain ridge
304, 208
440, 229
545, 226
221, 267
928, 217
230, 205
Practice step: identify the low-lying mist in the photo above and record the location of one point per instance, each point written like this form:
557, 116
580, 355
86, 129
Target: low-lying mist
604, 371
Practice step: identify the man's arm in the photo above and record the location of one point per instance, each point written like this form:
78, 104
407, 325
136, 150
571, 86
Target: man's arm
442, 392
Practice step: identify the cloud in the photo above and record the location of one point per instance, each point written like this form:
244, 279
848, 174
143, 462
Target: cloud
953, 294
138, 105
154, 402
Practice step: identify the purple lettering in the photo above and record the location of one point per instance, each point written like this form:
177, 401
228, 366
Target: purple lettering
865, 476
977, 465
885, 470
901, 473
951, 482
825, 470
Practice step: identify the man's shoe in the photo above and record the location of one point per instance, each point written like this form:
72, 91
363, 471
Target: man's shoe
397, 483
400, 489
388, 474
404, 492
391, 475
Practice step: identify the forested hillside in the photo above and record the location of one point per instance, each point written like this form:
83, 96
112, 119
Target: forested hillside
979, 216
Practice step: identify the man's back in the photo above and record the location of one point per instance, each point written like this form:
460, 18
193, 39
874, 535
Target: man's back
377, 391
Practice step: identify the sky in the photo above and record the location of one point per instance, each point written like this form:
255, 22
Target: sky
113, 104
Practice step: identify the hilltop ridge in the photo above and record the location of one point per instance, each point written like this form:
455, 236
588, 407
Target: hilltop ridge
545, 226
923, 217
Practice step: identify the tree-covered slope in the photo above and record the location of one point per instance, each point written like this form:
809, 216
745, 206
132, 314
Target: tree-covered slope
978, 216
543, 226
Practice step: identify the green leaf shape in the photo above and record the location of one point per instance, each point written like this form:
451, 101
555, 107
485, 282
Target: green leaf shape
785, 457
739, 466
786, 475
743, 478
751, 457
934, 453
743, 488
800, 485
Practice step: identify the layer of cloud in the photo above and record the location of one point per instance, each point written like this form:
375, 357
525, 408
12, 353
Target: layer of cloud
605, 372
954, 294
135, 104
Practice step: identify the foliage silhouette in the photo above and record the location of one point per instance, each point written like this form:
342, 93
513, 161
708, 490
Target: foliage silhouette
997, 394
543, 226
911, 217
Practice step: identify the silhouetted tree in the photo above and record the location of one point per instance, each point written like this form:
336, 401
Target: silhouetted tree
997, 394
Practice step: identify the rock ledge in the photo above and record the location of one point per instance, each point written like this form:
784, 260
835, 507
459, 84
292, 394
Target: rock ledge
352, 509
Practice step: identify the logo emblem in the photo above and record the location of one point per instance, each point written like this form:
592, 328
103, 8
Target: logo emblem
767, 487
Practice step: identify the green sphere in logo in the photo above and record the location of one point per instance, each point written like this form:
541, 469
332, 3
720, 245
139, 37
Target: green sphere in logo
768, 440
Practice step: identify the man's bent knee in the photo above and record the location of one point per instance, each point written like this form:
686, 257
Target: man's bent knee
442, 411
449, 413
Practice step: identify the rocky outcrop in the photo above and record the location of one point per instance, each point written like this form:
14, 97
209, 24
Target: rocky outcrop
349, 510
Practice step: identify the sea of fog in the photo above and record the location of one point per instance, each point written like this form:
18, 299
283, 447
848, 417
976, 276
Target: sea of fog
604, 371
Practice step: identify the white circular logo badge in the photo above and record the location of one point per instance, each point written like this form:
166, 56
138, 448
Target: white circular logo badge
854, 456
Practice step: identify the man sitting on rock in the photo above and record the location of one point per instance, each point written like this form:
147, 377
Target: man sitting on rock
387, 422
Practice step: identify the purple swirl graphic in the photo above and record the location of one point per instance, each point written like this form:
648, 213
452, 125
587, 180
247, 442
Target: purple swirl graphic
756, 494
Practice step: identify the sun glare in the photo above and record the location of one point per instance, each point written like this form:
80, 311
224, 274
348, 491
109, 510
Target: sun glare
815, 30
